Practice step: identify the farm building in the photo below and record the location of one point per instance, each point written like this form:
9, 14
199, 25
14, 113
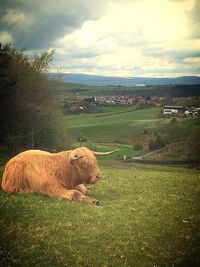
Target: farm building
173, 110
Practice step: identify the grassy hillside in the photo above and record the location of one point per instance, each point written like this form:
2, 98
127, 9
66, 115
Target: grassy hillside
120, 127
148, 216
107, 127
114, 128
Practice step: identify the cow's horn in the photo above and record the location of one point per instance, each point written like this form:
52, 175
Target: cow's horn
103, 153
76, 157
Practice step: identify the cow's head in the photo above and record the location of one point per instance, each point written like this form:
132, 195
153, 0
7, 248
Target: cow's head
86, 165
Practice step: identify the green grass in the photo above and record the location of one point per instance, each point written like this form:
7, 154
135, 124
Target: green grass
148, 216
113, 115
122, 127
114, 126
65, 89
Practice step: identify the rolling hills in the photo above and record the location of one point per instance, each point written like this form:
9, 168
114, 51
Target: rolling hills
129, 81
122, 128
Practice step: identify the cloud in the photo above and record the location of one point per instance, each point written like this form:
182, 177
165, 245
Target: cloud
109, 37
14, 16
195, 20
6, 37
37, 24
133, 38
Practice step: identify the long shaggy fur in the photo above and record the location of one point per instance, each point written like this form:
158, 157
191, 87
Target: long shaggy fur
51, 174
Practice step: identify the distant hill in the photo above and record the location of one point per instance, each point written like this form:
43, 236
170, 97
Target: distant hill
132, 81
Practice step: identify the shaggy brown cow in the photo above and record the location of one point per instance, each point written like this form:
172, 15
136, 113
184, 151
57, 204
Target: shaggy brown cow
60, 175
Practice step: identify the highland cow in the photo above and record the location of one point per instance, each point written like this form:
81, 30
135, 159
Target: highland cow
57, 175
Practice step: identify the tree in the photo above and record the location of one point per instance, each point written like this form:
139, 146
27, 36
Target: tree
173, 131
29, 116
156, 143
137, 147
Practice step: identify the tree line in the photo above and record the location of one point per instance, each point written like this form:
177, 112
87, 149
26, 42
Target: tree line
29, 115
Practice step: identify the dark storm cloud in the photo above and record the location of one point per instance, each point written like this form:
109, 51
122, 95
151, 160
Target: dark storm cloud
38, 24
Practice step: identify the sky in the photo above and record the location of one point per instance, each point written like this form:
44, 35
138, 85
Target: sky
126, 38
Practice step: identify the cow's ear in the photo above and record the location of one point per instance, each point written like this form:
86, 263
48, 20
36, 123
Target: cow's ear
76, 157
103, 153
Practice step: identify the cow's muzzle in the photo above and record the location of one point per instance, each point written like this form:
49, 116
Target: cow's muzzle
98, 177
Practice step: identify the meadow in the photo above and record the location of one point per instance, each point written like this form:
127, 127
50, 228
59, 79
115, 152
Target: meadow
148, 216
115, 127
122, 127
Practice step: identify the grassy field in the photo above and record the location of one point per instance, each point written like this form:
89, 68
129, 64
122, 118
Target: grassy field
148, 216
118, 127
115, 127
65, 89
121, 127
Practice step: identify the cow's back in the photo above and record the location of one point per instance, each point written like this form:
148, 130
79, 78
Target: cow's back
22, 171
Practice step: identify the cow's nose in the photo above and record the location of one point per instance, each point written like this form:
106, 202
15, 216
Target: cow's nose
98, 176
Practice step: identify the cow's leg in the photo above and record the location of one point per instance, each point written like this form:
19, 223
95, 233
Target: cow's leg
76, 195
82, 188
72, 195
49, 186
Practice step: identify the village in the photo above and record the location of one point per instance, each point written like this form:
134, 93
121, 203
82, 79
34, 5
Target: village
89, 104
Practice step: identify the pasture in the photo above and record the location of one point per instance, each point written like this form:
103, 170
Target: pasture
115, 127
121, 127
148, 216
107, 126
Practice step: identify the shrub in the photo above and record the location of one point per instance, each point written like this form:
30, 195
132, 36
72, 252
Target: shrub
156, 143
194, 145
145, 131
137, 147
